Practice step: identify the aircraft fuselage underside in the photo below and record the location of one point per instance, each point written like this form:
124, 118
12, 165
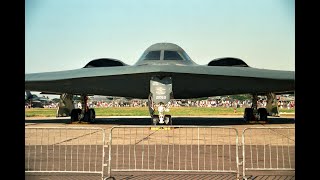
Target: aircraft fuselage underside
159, 103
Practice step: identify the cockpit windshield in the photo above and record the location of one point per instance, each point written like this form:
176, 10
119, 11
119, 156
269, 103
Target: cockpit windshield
152, 55
172, 55
166, 55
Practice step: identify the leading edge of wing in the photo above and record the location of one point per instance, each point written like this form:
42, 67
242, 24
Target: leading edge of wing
127, 70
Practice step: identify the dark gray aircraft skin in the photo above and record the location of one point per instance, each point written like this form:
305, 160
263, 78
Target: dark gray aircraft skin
189, 79
166, 65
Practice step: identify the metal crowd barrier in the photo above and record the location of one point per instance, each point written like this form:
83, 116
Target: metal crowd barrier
268, 149
158, 149
173, 148
66, 149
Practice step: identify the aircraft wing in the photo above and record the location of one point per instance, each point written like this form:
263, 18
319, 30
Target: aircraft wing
187, 81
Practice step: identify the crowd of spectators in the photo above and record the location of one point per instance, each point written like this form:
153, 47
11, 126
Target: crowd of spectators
224, 102
193, 103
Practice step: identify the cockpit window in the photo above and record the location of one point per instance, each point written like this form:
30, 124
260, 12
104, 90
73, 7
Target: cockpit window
152, 55
185, 55
172, 55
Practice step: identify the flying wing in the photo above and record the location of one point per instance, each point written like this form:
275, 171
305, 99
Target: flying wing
164, 71
188, 81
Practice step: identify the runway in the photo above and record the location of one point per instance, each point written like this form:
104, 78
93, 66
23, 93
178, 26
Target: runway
108, 122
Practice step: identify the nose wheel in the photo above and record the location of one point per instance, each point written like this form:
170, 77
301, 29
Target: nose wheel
166, 121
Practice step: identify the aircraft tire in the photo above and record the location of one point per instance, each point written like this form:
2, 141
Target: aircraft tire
263, 114
248, 114
79, 110
74, 116
168, 120
92, 115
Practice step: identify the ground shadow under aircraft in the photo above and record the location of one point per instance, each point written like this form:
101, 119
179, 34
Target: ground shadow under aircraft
198, 121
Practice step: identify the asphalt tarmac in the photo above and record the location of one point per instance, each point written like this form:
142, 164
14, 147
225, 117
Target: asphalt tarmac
108, 122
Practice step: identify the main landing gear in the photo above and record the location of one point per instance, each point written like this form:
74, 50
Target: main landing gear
254, 114
85, 114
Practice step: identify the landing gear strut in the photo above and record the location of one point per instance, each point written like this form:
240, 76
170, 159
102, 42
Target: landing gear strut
161, 118
160, 94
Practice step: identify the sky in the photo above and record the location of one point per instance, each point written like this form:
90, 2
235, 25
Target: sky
65, 35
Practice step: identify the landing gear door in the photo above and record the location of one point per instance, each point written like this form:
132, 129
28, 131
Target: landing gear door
161, 89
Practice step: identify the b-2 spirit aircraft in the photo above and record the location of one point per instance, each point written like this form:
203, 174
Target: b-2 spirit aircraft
163, 72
